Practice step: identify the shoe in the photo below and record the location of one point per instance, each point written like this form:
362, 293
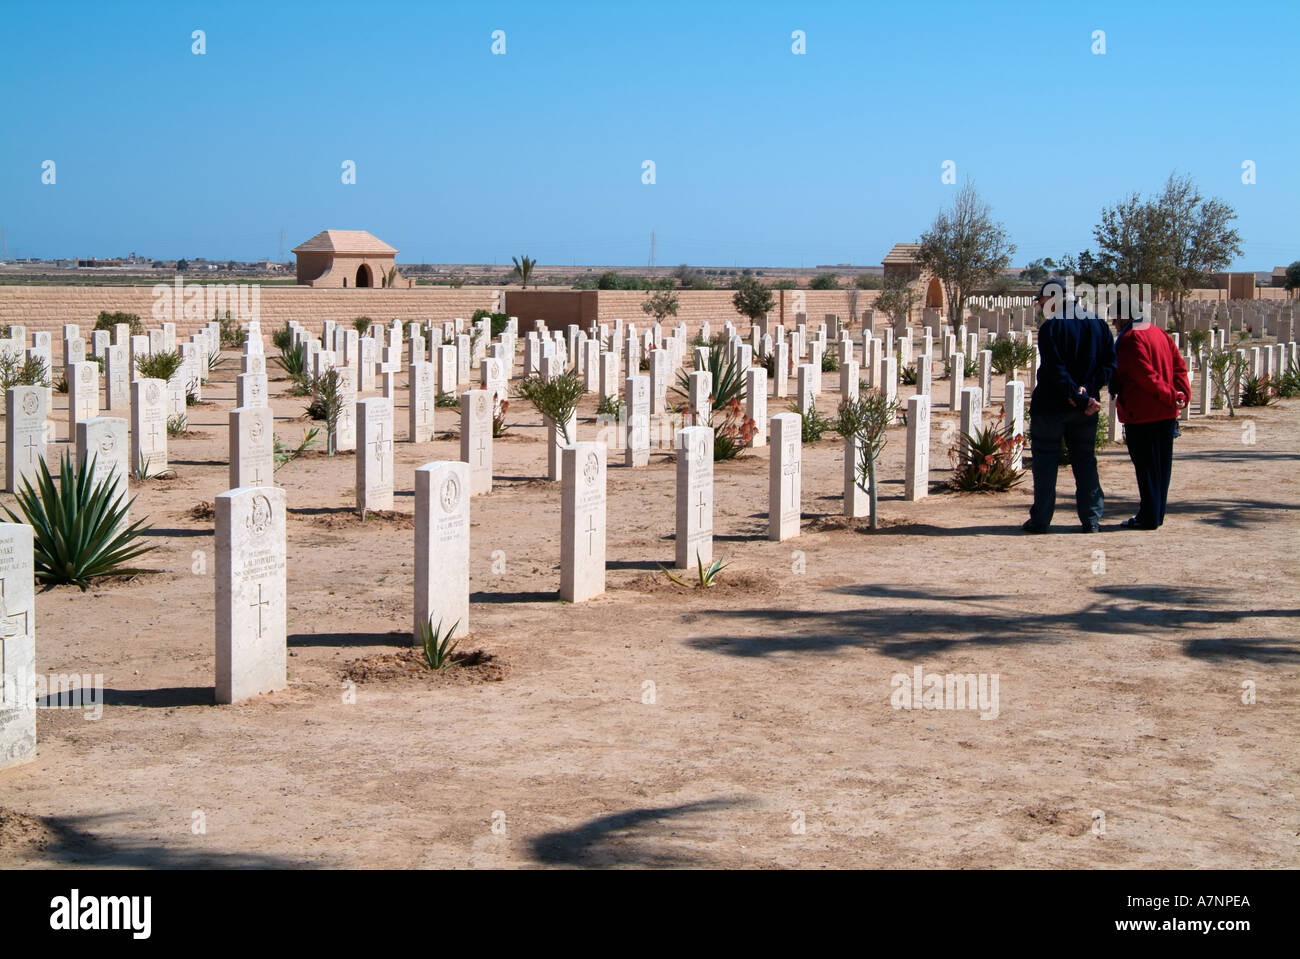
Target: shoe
1089, 529
1031, 527
1132, 523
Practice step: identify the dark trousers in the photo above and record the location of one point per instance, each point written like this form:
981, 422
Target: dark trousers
1151, 448
1079, 434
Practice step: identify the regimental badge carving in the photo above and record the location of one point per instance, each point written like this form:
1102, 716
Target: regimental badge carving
592, 470
259, 520
255, 428
108, 443
31, 404
480, 406
153, 393
87, 375
450, 495
702, 449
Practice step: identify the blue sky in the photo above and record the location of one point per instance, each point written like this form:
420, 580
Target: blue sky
762, 157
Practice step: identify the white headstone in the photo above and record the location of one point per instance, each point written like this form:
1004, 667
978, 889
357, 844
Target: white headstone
17, 645
916, 480
252, 447
694, 496
582, 523
442, 547
374, 468
251, 594
149, 426
24, 434
476, 439
784, 479
422, 401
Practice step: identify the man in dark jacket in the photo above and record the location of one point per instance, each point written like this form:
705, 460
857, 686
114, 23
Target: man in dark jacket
1076, 359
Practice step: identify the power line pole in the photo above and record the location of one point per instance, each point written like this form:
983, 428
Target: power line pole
652, 249
280, 258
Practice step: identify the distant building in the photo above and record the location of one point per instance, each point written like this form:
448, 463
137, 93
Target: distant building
902, 262
347, 258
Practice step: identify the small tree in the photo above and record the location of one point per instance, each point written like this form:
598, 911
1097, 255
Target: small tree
752, 299
965, 248
660, 304
524, 269
866, 419
556, 399
825, 281
896, 299
1293, 277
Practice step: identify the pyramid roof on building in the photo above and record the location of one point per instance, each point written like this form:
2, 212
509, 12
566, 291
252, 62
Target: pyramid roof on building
345, 241
903, 253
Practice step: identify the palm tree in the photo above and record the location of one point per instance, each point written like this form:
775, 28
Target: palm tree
524, 268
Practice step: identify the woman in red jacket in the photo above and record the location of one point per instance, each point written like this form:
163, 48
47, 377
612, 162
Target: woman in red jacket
1150, 387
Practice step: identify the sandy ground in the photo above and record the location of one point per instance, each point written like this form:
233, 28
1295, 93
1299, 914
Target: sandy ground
770, 740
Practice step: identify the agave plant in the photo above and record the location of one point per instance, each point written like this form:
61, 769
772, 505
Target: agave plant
438, 646
708, 574
80, 530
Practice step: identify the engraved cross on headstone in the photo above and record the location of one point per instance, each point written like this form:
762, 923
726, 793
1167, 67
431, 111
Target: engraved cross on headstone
259, 606
591, 531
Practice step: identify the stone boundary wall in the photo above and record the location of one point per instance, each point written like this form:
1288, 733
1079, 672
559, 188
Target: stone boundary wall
697, 306
50, 307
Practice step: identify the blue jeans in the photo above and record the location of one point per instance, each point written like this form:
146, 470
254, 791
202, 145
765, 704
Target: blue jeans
1079, 433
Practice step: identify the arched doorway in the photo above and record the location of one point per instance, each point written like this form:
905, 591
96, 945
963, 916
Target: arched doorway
934, 294
363, 276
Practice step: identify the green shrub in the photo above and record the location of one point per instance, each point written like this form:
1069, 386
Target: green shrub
830, 361
610, 406
293, 360
447, 401
1288, 384
282, 338
362, 324
231, 333
106, 321
498, 320
19, 369
813, 423
327, 404
158, 366
79, 527
1009, 354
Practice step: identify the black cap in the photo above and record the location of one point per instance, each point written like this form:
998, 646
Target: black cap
1045, 290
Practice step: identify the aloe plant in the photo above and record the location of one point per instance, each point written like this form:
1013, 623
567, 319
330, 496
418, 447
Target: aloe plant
438, 646
80, 530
